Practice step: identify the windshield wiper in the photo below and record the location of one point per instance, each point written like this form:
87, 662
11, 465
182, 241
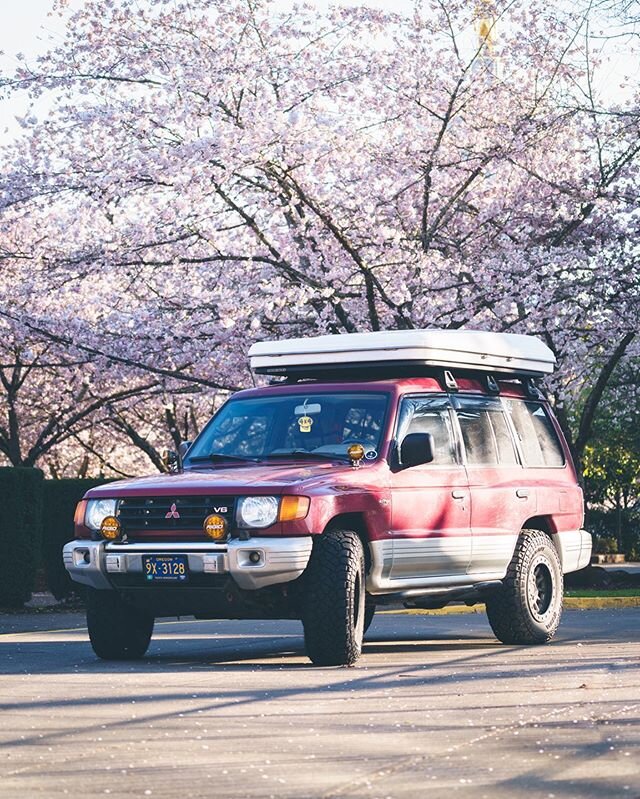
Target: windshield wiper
307, 453
216, 456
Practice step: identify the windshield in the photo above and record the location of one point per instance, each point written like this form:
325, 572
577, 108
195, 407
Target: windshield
313, 425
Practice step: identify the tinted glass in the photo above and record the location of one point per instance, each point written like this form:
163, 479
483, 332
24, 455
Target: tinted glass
429, 415
320, 423
535, 431
485, 432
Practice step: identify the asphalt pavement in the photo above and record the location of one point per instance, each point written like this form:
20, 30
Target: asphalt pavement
436, 707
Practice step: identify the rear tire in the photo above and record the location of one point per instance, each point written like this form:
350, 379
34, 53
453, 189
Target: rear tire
117, 631
528, 607
334, 610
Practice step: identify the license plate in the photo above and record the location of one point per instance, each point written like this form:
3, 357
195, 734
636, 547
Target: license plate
165, 568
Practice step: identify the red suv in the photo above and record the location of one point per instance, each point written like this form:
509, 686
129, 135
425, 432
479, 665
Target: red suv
421, 467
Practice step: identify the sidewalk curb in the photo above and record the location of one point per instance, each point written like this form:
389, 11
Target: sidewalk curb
570, 603
596, 602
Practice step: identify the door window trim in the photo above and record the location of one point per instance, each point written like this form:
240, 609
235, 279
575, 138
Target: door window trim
457, 450
458, 440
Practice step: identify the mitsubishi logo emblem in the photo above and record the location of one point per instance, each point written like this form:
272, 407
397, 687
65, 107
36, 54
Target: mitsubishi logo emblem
173, 513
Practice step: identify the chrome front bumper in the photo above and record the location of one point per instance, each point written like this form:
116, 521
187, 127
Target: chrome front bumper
252, 564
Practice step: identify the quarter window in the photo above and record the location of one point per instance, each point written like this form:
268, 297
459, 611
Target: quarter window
536, 433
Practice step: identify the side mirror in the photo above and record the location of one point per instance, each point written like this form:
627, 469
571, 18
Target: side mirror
171, 460
183, 449
416, 448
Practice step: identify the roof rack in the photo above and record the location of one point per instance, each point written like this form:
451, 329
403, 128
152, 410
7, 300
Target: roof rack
397, 353
447, 378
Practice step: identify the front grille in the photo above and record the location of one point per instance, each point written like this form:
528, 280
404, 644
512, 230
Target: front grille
166, 515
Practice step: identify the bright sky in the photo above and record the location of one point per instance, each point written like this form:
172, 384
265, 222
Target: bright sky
27, 28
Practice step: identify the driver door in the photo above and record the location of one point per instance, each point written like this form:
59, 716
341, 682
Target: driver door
431, 507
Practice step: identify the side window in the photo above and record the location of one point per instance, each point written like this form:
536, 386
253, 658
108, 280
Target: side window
429, 415
537, 435
504, 439
485, 432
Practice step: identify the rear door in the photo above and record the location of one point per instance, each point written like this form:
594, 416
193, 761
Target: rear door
500, 497
547, 469
431, 508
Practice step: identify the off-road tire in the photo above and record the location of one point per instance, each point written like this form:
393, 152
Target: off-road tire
334, 611
117, 631
369, 613
528, 607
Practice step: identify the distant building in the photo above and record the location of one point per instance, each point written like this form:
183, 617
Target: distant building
485, 24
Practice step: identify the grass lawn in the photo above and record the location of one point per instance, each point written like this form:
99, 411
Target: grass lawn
591, 592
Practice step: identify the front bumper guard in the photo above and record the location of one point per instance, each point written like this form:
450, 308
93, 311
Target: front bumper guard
252, 564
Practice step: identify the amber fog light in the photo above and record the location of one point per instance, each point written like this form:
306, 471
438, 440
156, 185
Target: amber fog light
110, 528
292, 508
215, 527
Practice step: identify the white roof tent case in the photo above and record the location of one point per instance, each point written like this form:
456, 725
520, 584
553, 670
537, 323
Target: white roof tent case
470, 350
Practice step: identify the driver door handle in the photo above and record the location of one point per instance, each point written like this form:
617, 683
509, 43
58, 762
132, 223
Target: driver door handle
457, 494
522, 493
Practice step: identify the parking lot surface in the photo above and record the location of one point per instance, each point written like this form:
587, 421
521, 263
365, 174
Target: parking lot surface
436, 707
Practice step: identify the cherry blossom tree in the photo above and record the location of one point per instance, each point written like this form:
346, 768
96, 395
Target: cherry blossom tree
216, 172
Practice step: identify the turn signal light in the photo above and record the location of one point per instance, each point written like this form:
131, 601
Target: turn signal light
78, 517
292, 508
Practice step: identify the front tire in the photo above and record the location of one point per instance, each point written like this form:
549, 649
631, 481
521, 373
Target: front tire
334, 612
528, 607
117, 631
369, 613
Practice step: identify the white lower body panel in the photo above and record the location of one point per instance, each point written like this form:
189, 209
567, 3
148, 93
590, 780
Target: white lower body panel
385, 578
574, 548
394, 561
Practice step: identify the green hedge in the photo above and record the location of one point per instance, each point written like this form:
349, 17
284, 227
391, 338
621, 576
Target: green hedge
60, 498
36, 521
20, 533
614, 532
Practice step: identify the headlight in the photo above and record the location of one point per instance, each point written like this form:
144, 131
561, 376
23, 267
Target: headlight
257, 511
97, 510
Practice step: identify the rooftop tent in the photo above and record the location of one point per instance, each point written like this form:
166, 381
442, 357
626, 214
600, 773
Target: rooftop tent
476, 350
